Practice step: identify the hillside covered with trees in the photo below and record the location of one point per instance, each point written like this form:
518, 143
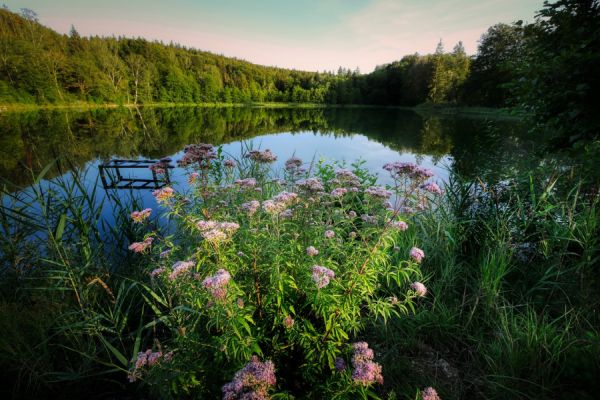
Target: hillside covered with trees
547, 68
38, 65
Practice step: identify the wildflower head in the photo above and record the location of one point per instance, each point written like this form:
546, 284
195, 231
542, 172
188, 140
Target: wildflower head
339, 192
262, 156
251, 207
419, 289
417, 254
139, 247
157, 271
312, 185
366, 371
180, 268
247, 183
193, 177
329, 234
431, 188
251, 382
141, 216
378, 192
421, 173
288, 322
145, 360
216, 284
229, 163
340, 364
293, 163
288, 213
215, 232
197, 153
346, 178
311, 251
166, 253
430, 393
163, 195
322, 276
399, 225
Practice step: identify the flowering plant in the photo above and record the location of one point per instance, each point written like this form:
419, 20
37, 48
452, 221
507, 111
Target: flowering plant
268, 283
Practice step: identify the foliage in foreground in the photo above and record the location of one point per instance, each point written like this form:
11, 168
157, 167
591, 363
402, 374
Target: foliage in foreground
509, 311
286, 270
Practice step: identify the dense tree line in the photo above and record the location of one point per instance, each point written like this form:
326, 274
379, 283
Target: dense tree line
38, 65
548, 68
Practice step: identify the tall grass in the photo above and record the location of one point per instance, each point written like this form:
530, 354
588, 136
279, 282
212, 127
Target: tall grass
513, 277
68, 305
511, 312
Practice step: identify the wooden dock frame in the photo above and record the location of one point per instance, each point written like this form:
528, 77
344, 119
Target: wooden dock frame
117, 165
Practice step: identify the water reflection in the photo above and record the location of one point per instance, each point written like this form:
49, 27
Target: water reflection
472, 146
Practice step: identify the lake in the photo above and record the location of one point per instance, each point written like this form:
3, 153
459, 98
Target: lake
472, 147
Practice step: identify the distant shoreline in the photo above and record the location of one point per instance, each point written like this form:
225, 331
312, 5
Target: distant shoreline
423, 109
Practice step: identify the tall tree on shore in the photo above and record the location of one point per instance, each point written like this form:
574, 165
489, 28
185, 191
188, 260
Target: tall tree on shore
438, 87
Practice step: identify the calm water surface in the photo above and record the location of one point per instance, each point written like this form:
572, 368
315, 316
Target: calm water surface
472, 147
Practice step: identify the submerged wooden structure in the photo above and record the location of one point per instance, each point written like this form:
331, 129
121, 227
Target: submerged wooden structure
112, 174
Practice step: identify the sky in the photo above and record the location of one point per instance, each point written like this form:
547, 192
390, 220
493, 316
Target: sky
312, 35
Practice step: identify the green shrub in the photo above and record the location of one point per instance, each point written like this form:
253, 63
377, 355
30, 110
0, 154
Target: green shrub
286, 270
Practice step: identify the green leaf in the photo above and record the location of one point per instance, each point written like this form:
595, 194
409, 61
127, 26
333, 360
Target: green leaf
114, 351
60, 227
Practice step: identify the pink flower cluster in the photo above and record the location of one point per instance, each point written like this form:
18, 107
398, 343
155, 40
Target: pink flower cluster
147, 359
329, 234
286, 214
141, 216
288, 322
322, 276
293, 163
344, 177
417, 254
413, 171
216, 232
166, 253
340, 364
193, 177
419, 289
311, 251
252, 382
247, 183
378, 192
262, 156
180, 268
366, 371
197, 153
339, 192
229, 163
216, 285
430, 393
251, 207
313, 185
138, 247
279, 202
157, 271
431, 188
160, 166
399, 225
163, 195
